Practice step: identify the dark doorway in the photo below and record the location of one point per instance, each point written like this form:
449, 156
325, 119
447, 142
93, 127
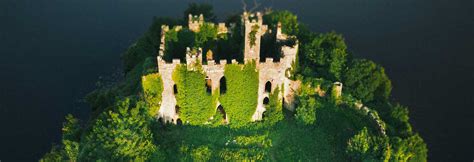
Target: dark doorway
266, 101
223, 85
268, 87
175, 89
208, 85
176, 109
179, 122
222, 111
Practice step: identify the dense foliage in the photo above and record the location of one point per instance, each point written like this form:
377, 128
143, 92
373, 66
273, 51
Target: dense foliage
152, 86
192, 98
325, 56
307, 105
274, 110
367, 81
122, 126
287, 19
123, 134
240, 100
366, 147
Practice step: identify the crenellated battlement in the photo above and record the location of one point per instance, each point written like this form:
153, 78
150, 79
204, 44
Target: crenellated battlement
194, 22
272, 73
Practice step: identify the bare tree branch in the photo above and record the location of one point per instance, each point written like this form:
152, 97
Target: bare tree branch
244, 5
255, 5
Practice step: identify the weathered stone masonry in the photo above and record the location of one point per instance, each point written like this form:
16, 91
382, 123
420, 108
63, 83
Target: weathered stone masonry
271, 73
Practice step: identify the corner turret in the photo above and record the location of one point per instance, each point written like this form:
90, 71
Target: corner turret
194, 22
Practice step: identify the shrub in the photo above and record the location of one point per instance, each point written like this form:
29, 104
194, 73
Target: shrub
274, 112
307, 105
366, 147
120, 135
202, 153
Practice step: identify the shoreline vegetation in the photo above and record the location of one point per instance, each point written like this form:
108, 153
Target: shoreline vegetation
361, 124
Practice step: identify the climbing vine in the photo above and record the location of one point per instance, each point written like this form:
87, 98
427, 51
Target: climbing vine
240, 100
274, 112
194, 102
252, 35
152, 86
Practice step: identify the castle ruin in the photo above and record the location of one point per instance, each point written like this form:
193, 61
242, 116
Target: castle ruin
272, 73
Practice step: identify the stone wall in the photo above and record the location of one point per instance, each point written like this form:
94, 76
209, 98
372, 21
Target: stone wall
274, 73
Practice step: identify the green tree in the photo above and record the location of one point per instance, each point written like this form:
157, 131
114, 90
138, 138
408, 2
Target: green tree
325, 56
398, 121
56, 154
120, 134
367, 81
288, 20
365, 147
200, 8
412, 148
307, 105
71, 135
207, 32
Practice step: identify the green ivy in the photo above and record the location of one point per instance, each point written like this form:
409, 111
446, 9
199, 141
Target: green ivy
240, 100
252, 35
274, 112
207, 32
152, 86
192, 98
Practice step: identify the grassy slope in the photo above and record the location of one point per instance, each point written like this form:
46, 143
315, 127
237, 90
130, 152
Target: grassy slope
285, 141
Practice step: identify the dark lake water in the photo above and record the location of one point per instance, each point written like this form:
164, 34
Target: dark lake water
53, 51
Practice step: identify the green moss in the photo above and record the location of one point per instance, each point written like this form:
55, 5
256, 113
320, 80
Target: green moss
195, 103
240, 100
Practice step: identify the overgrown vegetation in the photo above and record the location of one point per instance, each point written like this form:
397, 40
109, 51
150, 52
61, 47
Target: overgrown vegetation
152, 88
120, 134
240, 100
195, 104
122, 126
274, 110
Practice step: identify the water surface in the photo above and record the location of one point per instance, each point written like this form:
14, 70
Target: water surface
53, 51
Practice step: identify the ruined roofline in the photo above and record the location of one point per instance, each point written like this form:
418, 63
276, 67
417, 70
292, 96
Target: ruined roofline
249, 19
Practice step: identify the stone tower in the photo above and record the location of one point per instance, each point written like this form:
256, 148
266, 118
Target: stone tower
254, 29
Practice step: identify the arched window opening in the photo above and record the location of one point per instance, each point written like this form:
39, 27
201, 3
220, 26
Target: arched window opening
208, 85
223, 85
268, 87
266, 101
175, 89
176, 109
160, 120
222, 111
179, 122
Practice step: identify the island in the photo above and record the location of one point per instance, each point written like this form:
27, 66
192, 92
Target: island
259, 86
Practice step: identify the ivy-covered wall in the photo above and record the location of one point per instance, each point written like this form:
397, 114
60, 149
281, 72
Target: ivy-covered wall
152, 86
240, 99
195, 103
